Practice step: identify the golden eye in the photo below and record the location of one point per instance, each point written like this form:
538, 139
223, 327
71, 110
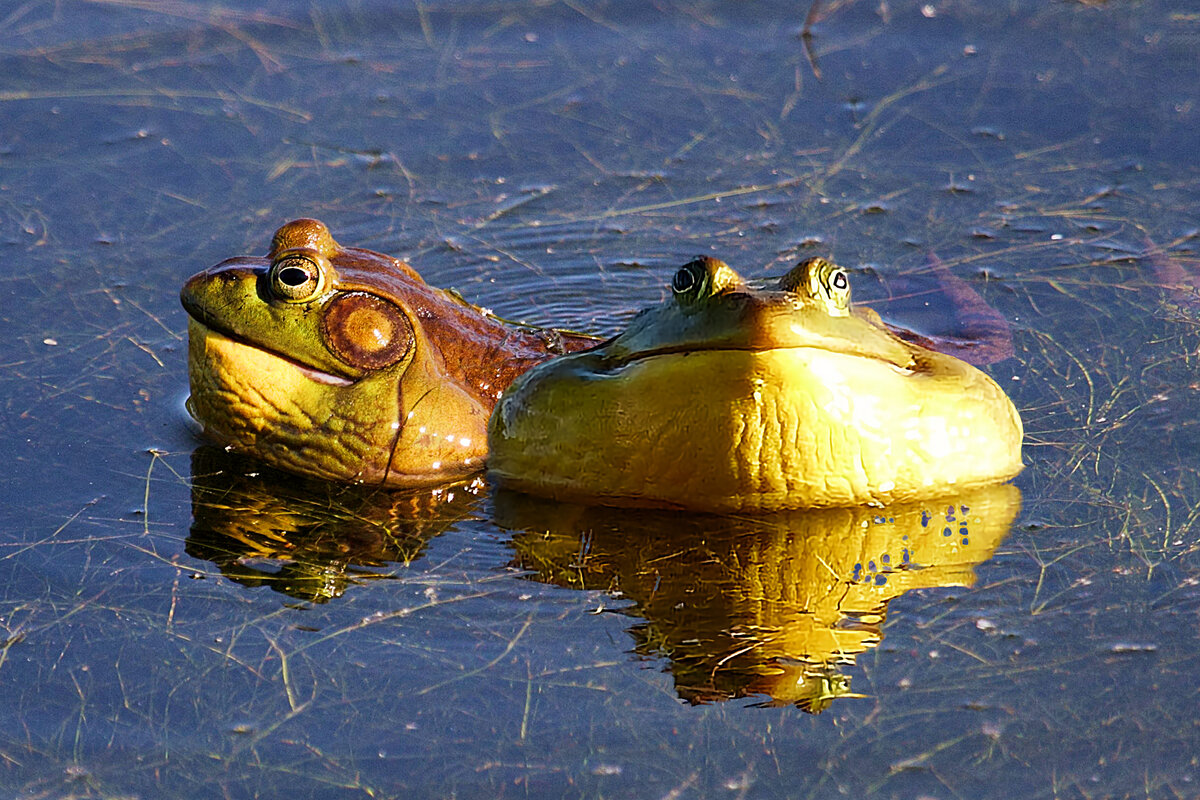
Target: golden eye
295, 278
366, 331
820, 280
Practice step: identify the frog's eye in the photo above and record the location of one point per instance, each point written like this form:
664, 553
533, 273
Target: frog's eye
689, 277
837, 285
295, 278
820, 280
366, 331
704, 277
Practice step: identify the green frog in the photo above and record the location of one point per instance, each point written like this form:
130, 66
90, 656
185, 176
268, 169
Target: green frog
343, 364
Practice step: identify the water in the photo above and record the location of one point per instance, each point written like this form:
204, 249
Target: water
179, 623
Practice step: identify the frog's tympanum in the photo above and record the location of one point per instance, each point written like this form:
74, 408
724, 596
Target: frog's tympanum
733, 398
776, 606
342, 363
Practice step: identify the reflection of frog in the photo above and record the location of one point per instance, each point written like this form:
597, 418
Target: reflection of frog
773, 605
342, 363
731, 397
308, 539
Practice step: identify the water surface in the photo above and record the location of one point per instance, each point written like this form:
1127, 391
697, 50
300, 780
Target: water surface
180, 623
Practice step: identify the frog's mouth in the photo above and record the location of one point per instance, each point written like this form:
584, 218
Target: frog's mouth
200, 330
832, 347
758, 329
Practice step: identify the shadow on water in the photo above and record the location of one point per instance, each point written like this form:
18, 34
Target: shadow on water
775, 606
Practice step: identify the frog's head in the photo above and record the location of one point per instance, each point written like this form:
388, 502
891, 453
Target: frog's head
713, 309
335, 362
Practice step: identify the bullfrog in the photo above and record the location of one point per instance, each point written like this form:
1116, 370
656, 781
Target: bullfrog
343, 364
729, 397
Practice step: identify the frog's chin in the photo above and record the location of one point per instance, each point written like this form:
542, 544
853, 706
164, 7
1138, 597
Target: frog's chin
255, 402
266, 361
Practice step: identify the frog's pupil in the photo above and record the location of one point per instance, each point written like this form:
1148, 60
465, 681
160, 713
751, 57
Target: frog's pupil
292, 276
839, 280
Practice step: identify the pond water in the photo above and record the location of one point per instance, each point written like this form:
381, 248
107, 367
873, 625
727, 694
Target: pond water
177, 622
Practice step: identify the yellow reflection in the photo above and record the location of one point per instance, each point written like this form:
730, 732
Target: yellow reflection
772, 606
309, 539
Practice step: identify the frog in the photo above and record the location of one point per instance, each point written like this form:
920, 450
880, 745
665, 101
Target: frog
343, 364
729, 397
